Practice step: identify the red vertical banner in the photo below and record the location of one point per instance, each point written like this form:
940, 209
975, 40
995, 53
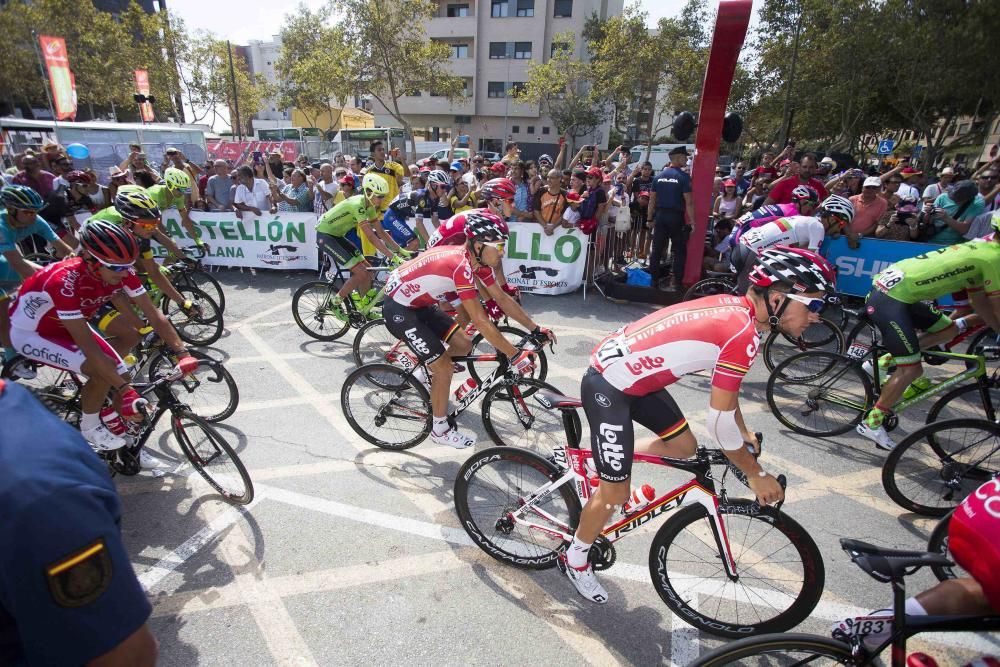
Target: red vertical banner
60, 78
142, 87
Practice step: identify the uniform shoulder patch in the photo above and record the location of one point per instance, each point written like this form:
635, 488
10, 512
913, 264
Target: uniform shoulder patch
81, 577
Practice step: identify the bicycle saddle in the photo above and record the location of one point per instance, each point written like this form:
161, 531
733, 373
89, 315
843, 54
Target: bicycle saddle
889, 564
551, 399
720, 274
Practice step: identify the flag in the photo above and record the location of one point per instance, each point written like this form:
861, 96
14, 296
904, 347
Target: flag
142, 87
60, 78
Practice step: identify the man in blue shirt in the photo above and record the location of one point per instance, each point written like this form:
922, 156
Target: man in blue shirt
68, 594
669, 200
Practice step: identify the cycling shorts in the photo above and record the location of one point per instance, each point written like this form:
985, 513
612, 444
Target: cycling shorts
974, 538
397, 228
898, 323
424, 330
343, 252
60, 351
610, 413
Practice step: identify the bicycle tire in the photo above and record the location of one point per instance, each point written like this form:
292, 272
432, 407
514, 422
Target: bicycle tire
984, 337
512, 421
51, 386
409, 397
817, 336
204, 329
372, 343
41, 258
212, 406
800, 599
807, 649
820, 373
937, 543
204, 281
710, 287
922, 475
965, 402
201, 464
482, 346
485, 531
311, 311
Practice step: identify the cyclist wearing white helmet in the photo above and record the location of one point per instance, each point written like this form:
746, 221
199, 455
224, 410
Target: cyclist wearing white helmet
432, 202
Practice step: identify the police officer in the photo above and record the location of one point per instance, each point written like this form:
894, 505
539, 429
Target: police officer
668, 202
68, 594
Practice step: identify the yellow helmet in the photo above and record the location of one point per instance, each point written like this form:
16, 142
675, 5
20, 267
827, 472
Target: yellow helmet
374, 186
135, 205
177, 179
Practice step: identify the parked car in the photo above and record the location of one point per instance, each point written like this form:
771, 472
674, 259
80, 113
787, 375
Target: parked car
442, 155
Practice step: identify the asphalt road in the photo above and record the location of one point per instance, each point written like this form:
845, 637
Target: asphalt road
353, 555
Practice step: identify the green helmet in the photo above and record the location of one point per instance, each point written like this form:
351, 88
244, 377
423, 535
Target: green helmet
996, 221
177, 179
374, 185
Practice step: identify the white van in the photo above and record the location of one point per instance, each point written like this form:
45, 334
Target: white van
658, 155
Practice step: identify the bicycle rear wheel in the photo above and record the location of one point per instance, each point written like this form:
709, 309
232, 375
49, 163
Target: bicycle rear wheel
212, 457
373, 342
937, 466
202, 329
938, 543
823, 335
819, 393
779, 567
313, 311
386, 406
710, 287
494, 483
513, 419
210, 391
479, 370
773, 650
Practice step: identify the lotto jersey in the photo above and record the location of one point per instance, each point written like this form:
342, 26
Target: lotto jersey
794, 230
66, 290
346, 215
973, 266
714, 333
440, 273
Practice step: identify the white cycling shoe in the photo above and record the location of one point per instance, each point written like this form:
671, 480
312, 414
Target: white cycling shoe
101, 439
584, 581
147, 461
454, 438
876, 435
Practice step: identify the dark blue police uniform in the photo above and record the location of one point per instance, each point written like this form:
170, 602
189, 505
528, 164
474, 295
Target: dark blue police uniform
68, 593
670, 186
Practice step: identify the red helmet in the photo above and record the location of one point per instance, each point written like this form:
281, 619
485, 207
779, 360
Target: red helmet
499, 188
108, 243
802, 270
77, 176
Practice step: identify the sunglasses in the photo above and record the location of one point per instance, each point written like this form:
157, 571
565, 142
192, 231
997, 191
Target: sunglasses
114, 268
496, 245
146, 224
813, 305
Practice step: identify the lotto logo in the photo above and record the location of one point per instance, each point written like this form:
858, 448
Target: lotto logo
410, 289
644, 363
416, 341
611, 451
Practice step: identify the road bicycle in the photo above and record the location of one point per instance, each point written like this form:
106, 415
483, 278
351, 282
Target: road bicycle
207, 451
314, 311
884, 565
202, 325
725, 565
390, 406
189, 272
937, 466
820, 393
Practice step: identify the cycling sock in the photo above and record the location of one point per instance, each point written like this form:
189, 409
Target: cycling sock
962, 325
576, 555
89, 421
875, 417
440, 425
914, 608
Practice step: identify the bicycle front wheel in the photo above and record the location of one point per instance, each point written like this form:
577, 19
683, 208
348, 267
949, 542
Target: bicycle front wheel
513, 419
312, 309
212, 457
710, 287
494, 483
373, 343
822, 335
966, 402
205, 282
779, 569
202, 329
386, 406
937, 466
479, 370
773, 650
210, 391
819, 393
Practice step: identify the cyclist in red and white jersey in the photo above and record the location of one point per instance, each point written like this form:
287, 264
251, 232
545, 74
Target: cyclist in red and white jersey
49, 322
804, 202
631, 368
412, 315
497, 193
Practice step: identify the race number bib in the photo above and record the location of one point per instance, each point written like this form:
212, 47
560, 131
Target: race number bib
888, 279
611, 349
392, 283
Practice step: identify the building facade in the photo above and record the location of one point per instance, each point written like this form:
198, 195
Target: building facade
492, 42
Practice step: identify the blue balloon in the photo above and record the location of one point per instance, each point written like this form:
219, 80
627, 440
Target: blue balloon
78, 151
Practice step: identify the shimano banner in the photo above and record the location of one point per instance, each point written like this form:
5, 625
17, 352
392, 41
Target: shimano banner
543, 264
856, 268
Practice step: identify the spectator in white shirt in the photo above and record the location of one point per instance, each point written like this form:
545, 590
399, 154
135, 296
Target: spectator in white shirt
943, 186
326, 189
252, 194
906, 190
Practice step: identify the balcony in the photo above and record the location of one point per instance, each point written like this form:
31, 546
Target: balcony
425, 104
445, 27
464, 67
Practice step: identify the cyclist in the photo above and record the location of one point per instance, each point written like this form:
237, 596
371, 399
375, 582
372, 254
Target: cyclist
898, 305
804, 201
171, 194
432, 202
401, 209
340, 220
49, 323
19, 220
496, 194
632, 367
803, 231
412, 315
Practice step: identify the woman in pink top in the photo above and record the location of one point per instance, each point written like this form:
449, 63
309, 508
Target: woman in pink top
868, 207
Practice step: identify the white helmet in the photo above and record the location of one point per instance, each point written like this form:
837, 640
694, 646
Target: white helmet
439, 177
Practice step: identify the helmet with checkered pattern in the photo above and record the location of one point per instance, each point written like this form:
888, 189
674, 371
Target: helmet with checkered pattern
800, 269
485, 226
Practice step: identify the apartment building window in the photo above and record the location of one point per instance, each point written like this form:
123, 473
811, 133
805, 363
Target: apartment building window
466, 87
516, 50
525, 7
499, 8
545, 130
455, 11
515, 129
496, 89
531, 129
516, 87
463, 120
459, 50
559, 46
522, 50
563, 9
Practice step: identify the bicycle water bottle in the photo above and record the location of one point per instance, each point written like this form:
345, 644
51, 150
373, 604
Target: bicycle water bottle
920, 660
917, 387
639, 499
466, 387
114, 422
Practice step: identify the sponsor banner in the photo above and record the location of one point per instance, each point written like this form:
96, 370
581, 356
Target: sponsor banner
545, 264
269, 241
142, 87
60, 78
238, 152
856, 268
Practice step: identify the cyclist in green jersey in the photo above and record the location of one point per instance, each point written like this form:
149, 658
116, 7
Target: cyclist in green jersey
360, 209
898, 305
171, 194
